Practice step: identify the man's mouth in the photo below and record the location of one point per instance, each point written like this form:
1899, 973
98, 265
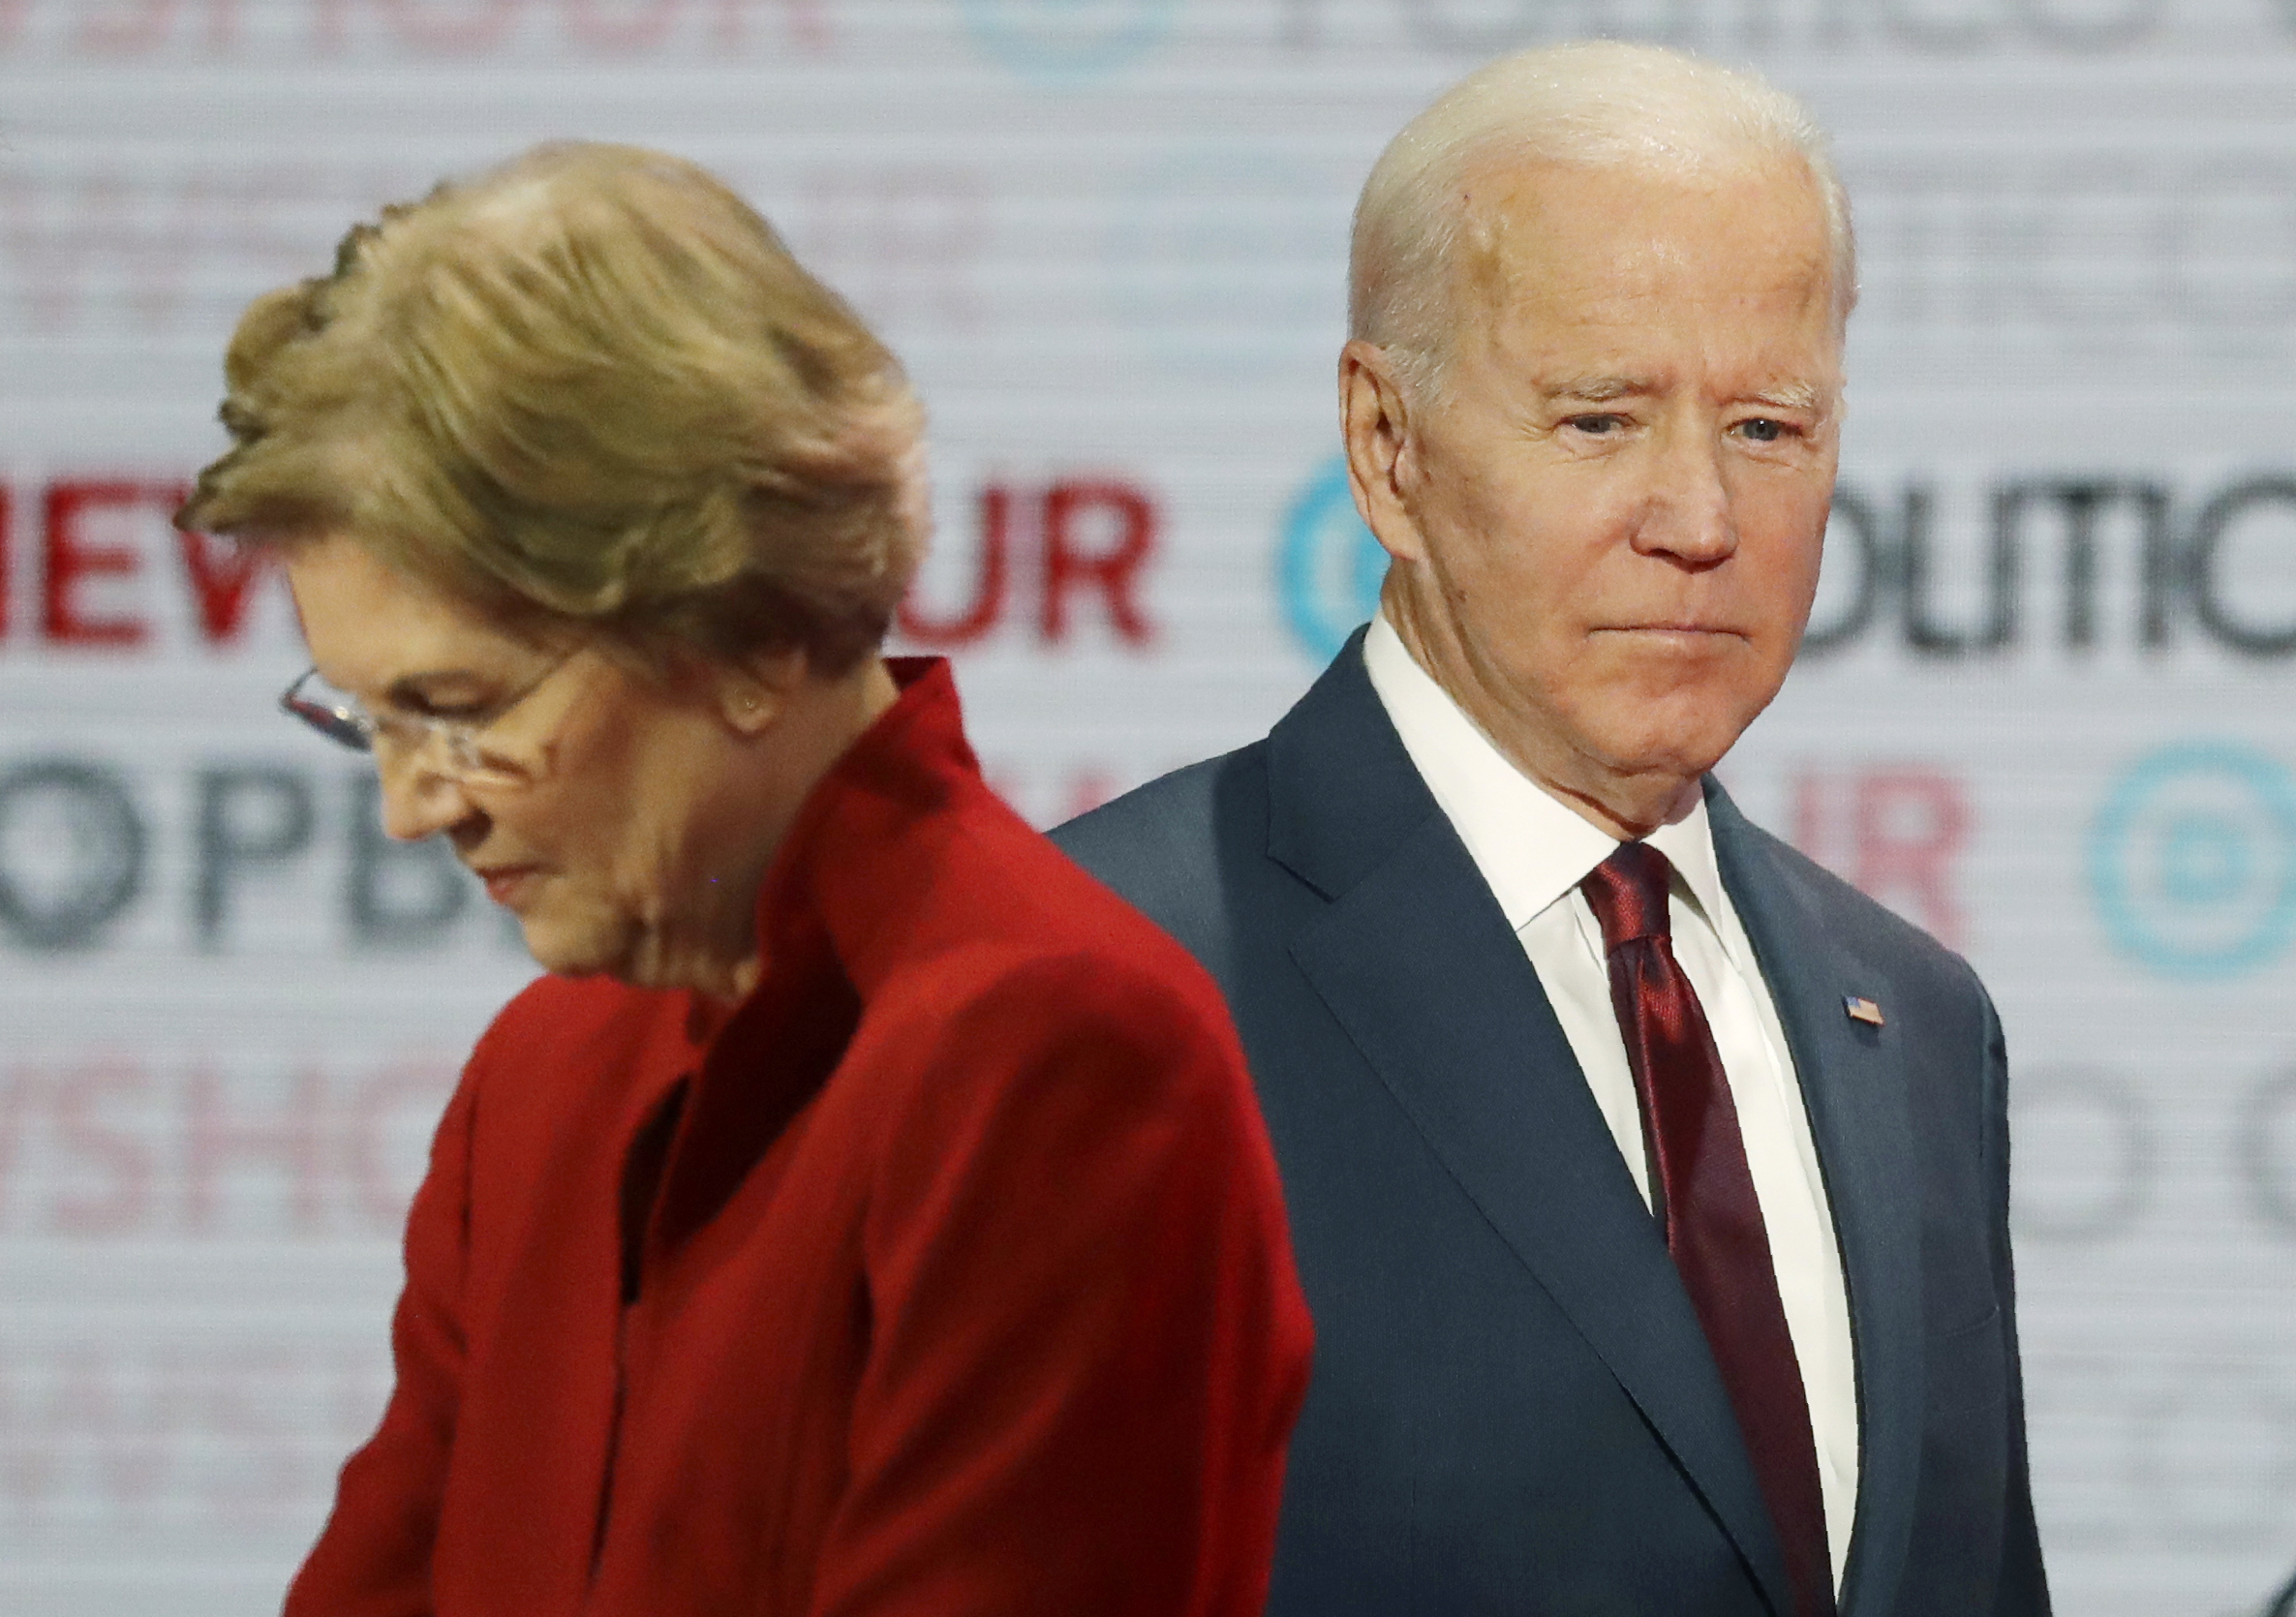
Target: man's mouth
1687, 632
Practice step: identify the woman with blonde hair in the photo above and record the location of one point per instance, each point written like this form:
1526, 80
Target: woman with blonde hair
869, 1214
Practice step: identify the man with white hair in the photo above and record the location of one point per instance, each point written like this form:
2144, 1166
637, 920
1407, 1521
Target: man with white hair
1650, 1184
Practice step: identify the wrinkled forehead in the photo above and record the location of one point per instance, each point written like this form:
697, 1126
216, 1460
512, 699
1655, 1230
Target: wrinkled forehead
1541, 232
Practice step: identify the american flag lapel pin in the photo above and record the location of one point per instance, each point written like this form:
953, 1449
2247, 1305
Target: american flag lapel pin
1862, 1010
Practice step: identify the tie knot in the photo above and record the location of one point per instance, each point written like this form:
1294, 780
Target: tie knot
1628, 893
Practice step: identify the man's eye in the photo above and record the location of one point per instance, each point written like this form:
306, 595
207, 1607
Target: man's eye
1763, 430
1595, 426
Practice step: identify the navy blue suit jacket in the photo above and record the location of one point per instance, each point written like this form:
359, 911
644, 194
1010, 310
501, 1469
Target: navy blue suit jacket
1513, 1410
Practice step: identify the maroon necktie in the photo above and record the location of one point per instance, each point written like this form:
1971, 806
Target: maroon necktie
1705, 1197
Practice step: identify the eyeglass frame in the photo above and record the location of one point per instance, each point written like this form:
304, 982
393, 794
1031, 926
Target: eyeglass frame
354, 727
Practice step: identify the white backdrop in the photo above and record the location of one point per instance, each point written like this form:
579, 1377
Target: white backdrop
2046, 710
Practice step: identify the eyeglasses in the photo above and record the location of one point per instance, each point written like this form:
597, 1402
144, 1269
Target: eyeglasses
457, 748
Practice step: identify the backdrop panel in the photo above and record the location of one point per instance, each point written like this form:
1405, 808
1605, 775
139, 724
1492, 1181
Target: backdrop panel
2045, 710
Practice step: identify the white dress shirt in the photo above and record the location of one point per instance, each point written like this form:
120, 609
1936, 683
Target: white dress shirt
1532, 852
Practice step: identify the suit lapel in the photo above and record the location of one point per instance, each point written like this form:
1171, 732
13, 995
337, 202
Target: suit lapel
1415, 959
1852, 1080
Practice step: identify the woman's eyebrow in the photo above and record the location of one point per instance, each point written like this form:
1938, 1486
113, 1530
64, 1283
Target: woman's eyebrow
418, 688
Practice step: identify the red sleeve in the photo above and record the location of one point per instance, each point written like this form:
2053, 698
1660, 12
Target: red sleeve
1087, 1346
373, 1559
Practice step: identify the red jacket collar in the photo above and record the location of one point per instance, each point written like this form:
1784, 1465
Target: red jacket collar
839, 870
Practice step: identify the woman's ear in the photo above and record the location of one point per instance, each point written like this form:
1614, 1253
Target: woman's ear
753, 693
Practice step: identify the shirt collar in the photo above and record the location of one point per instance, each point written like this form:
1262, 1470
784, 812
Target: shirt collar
1530, 847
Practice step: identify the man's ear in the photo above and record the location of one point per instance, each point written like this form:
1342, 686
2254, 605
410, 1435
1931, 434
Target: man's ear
1375, 419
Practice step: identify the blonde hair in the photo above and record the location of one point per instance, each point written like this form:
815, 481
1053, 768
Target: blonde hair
1599, 103
591, 387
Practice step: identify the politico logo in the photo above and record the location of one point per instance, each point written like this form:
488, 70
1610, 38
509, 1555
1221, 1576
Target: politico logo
2075, 562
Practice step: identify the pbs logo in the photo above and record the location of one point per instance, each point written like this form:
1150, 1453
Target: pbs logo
1069, 39
1328, 566
2192, 861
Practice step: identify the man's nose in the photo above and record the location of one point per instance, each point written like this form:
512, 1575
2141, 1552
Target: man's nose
418, 800
1688, 511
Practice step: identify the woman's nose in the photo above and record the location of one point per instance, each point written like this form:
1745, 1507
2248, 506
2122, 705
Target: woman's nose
418, 799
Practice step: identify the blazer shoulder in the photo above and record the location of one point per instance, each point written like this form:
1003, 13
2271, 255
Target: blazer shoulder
1848, 918
1174, 817
1163, 847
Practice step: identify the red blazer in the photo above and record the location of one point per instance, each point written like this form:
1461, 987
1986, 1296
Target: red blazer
947, 1276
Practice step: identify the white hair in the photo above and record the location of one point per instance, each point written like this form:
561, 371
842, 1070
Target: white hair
1599, 103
